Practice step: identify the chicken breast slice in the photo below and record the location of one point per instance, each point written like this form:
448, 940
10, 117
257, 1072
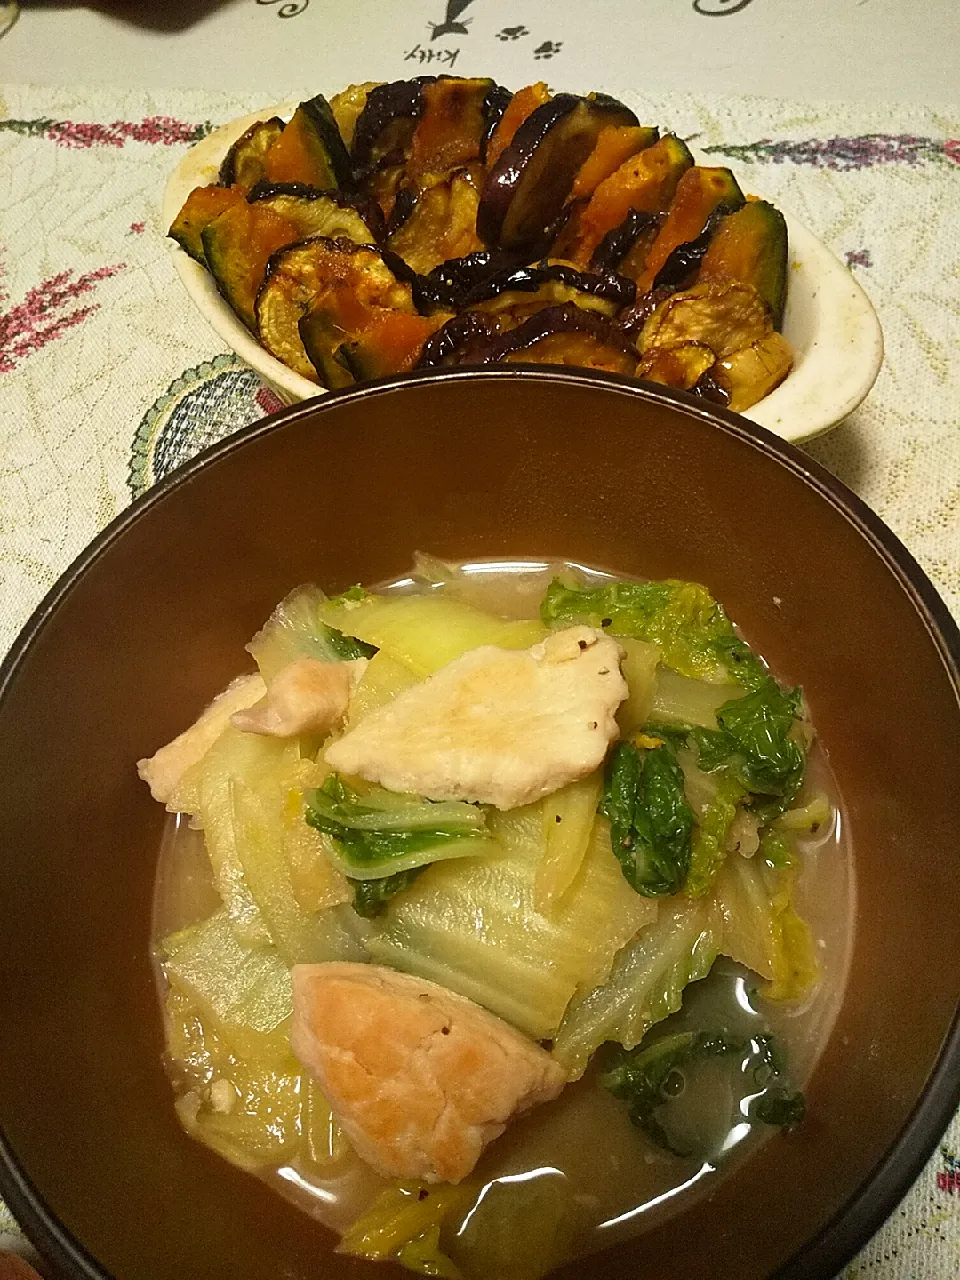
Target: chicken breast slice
163, 770
420, 1079
308, 695
497, 726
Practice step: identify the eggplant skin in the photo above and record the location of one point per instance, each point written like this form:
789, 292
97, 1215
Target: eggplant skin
610, 287
465, 339
368, 209
616, 244
684, 261
567, 318
494, 105
385, 103
528, 186
453, 281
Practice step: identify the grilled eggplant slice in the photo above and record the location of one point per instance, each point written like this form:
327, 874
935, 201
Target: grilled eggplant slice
751, 246
450, 131
682, 366
452, 281
468, 338
752, 372
442, 224
632, 238
523, 103
355, 276
494, 107
527, 187
347, 106
387, 123
243, 164
514, 294
237, 247
682, 263
700, 192
720, 314
310, 150
567, 335
614, 146
645, 183
201, 206
321, 213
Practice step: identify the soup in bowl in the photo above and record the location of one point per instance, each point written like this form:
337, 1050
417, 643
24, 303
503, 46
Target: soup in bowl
706, 996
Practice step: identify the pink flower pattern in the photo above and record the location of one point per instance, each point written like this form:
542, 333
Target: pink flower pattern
43, 315
80, 135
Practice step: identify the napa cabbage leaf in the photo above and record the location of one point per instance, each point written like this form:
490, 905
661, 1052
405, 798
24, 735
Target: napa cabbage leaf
650, 819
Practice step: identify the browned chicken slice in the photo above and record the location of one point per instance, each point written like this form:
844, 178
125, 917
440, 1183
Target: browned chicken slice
308, 696
420, 1079
498, 726
163, 771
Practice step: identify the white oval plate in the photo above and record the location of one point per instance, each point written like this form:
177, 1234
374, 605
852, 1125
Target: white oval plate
828, 321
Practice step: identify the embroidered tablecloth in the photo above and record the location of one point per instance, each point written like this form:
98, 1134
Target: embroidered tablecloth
109, 379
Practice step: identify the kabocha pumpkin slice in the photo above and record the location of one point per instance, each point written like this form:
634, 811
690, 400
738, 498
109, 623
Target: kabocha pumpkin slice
352, 347
750, 246
513, 295
237, 247
442, 224
615, 144
243, 163
321, 213
645, 183
310, 150
699, 193
201, 206
523, 103
301, 273
567, 335
450, 131
683, 261
527, 187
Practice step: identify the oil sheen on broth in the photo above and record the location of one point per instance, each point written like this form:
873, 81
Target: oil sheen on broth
575, 1176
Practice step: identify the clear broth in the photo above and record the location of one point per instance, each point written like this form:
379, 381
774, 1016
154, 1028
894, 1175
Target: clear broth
575, 1176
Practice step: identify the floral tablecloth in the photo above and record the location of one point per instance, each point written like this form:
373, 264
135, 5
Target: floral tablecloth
109, 379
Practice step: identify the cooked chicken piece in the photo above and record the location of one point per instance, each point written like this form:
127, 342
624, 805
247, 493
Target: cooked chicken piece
498, 726
307, 696
421, 1079
162, 772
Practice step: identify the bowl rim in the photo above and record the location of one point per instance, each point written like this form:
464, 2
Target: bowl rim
830, 380
869, 1206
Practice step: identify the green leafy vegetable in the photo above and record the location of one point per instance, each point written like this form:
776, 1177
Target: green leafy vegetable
696, 636
348, 647
709, 849
370, 897
650, 820
777, 849
753, 742
380, 834
644, 1078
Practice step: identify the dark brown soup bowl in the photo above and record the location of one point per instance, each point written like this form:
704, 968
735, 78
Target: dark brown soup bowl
151, 621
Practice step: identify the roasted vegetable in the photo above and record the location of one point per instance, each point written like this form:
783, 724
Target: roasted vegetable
629, 243
354, 277
566, 335
699, 192
380, 341
615, 144
310, 150
442, 224
681, 366
347, 106
645, 183
721, 315
531, 180
522, 104
237, 247
452, 281
750, 246
750, 373
450, 132
321, 213
514, 294
385, 126
465, 339
201, 206
650, 820
243, 164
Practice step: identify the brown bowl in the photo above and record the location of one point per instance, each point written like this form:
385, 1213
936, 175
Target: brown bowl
151, 621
